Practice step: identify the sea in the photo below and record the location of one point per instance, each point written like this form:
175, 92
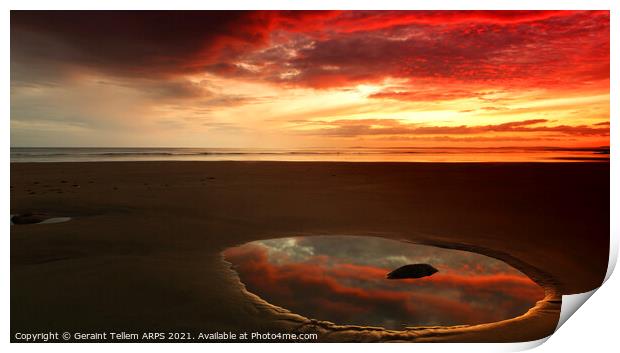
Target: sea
353, 154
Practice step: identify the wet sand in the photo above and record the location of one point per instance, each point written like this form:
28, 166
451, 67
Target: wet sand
142, 252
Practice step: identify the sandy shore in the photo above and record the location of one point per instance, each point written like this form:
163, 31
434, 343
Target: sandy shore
143, 250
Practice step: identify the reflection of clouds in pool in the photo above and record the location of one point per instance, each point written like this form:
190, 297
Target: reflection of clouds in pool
342, 279
384, 253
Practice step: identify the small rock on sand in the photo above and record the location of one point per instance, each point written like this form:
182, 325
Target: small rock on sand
412, 271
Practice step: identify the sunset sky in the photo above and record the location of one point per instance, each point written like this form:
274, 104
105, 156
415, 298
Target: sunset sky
310, 79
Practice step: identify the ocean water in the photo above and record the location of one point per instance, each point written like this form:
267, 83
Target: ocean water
356, 154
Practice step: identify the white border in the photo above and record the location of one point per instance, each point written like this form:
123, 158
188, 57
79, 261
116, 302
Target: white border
593, 327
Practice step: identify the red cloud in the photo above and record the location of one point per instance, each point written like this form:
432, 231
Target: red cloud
423, 96
351, 21
533, 50
322, 49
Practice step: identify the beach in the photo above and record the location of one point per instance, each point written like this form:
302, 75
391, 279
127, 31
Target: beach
142, 252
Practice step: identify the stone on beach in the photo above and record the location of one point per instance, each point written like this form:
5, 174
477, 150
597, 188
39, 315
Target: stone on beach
412, 271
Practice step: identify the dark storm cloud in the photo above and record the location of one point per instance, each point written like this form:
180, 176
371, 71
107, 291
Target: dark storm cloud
134, 42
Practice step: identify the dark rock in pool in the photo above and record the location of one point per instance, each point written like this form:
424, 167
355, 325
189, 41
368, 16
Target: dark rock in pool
29, 218
412, 271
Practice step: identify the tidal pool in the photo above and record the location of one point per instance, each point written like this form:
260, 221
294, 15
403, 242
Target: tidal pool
342, 279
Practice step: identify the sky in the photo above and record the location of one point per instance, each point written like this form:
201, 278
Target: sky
342, 279
295, 79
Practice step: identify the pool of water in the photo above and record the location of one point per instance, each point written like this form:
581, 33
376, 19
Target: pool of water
342, 279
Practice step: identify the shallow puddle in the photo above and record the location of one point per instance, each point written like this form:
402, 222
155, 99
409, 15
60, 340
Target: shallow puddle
342, 279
